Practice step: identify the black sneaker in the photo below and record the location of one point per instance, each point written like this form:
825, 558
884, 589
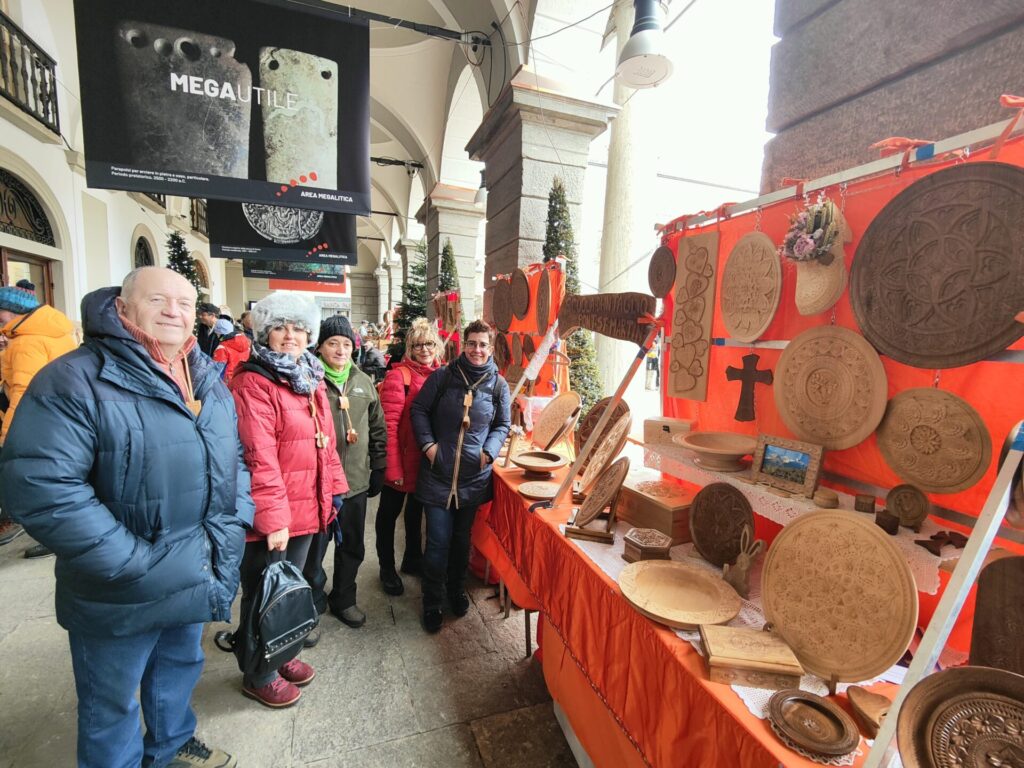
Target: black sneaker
391, 581
459, 603
432, 621
38, 550
9, 531
195, 754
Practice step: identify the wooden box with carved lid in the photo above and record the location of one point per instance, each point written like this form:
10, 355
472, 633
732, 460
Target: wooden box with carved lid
749, 657
645, 544
650, 500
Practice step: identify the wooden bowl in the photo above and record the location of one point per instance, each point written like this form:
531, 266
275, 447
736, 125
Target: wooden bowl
718, 451
679, 595
539, 464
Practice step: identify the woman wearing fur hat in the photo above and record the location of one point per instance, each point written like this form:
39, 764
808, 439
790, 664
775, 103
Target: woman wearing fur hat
359, 426
285, 424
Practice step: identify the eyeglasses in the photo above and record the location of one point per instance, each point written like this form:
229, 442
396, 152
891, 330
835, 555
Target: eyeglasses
477, 344
423, 345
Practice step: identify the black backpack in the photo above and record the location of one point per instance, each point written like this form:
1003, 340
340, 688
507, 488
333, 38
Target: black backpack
282, 615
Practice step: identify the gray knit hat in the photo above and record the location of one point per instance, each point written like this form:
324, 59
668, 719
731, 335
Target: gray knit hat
279, 308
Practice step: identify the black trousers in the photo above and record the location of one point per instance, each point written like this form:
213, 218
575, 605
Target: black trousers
347, 558
390, 508
254, 561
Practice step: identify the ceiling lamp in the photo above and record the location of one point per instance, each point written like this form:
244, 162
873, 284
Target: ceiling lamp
481, 193
641, 63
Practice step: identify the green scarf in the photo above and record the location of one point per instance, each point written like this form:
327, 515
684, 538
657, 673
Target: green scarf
338, 378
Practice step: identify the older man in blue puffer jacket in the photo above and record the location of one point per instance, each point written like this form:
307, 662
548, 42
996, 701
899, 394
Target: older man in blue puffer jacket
124, 459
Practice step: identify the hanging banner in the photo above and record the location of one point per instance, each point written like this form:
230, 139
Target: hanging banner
275, 233
252, 100
303, 271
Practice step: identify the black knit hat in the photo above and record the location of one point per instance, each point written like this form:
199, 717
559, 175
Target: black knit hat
337, 325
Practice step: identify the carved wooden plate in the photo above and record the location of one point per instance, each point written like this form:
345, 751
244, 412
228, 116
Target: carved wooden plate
718, 515
543, 303
588, 422
718, 451
529, 347
935, 440
661, 272
999, 616
841, 594
552, 419
939, 273
539, 490
830, 387
501, 307
539, 462
813, 723
520, 294
604, 492
967, 717
909, 504
679, 595
501, 351
607, 448
751, 287
517, 348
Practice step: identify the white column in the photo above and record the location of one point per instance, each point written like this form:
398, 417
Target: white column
383, 293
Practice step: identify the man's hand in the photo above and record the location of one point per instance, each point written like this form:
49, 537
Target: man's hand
431, 453
278, 540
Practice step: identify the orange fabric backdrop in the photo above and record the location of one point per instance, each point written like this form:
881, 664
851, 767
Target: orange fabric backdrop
548, 373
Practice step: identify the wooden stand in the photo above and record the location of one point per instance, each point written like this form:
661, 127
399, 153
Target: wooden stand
607, 536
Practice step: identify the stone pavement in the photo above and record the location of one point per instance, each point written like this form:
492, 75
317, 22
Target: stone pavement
387, 695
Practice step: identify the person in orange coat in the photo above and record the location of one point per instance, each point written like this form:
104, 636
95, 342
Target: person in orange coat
233, 350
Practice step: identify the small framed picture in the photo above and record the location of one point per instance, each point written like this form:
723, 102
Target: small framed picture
790, 465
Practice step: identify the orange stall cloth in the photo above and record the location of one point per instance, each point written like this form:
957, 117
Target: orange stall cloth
634, 692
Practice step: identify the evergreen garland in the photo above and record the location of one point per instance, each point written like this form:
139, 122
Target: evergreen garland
414, 300
179, 259
584, 375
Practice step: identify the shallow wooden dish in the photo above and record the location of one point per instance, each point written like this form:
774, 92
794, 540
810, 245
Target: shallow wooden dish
679, 595
539, 464
718, 451
813, 723
558, 415
539, 490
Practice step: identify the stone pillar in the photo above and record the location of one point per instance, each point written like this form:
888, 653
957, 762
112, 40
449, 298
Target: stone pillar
449, 213
383, 293
404, 248
533, 133
628, 229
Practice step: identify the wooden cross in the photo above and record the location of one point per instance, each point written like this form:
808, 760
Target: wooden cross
749, 375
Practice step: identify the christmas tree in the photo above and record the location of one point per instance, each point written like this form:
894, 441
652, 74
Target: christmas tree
414, 300
584, 376
179, 260
448, 277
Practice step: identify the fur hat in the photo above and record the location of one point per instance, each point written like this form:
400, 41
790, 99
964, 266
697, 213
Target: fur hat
279, 308
337, 325
19, 298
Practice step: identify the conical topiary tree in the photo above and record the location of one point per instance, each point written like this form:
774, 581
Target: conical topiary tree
414, 300
584, 375
448, 275
179, 260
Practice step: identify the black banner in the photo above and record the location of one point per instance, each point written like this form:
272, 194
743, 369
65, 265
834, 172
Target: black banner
273, 233
310, 272
246, 100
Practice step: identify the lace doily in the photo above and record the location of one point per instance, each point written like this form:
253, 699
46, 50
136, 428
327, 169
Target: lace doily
846, 759
673, 460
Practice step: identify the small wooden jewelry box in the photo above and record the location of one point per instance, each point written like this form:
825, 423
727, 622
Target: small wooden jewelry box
750, 657
649, 501
646, 544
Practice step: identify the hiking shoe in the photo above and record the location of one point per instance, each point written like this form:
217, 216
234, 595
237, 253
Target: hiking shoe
277, 694
432, 621
38, 550
459, 603
311, 640
297, 672
10, 530
391, 581
351, 616
195, 754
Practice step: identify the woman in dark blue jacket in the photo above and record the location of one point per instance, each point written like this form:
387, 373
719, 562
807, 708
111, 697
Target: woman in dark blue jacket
460, 419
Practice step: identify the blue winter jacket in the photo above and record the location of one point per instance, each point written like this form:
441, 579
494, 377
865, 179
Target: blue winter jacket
489, 424
143, 503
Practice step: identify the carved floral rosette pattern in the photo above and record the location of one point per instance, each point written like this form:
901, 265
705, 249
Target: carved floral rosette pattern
717, 518
691, 321
608, 448
751, 287
604, 492
935, 440
648, 537
939, 274
978, 731
840, 594
830, 387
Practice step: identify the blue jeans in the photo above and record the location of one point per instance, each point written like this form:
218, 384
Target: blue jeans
164, 666
446, 556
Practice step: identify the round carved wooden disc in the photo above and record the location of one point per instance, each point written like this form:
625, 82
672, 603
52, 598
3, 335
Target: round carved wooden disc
552, 419
841, 594
718, 515
607, 448
539, 489
830, 387
963, 717
679, 595
501, 351
529, 347
939, 274
604, 492
934, 440
502, 306
661, 272
751, 287
517, 349
543, 303
909, 504
589, 421
813, 723
520, 294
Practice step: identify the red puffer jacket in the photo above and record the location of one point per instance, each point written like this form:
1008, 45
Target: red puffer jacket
233, 351
293, 481
403, 453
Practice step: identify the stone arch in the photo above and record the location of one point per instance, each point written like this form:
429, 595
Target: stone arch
205, 279
144, 233
465, 112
